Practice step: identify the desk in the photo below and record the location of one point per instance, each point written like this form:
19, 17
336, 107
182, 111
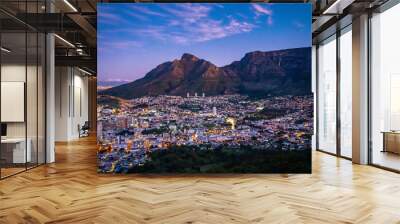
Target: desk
391, 141
16, 147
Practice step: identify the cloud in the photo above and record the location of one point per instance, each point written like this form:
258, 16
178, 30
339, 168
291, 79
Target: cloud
269, 20
174, 22
180, 39
121, 44
204, 30
184, 24
110, 18
194, 24
263, 11
156, 32
188, 12
138, 16
298, 24
239, 27
144, 10
161, 33
208, 31
241, 16
216, 29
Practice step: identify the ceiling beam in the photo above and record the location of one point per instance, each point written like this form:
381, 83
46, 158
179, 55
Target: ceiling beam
86, 27
77, 61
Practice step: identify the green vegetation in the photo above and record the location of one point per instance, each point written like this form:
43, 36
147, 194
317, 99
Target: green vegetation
244, 159
139, 106
210, 125
155, 131
108, 101
191, 107
268, 113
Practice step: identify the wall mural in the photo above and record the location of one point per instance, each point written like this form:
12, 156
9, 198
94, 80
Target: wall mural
204, 88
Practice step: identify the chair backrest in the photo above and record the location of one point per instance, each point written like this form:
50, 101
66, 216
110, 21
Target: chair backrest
86, 125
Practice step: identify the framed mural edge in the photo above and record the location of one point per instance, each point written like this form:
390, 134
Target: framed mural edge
204, 88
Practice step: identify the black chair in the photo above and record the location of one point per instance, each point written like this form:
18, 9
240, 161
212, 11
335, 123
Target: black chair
84, 130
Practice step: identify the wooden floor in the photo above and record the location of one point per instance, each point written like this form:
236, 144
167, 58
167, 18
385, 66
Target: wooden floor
5, 172
387, 159
70, 191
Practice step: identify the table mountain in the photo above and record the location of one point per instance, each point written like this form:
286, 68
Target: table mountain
281, 72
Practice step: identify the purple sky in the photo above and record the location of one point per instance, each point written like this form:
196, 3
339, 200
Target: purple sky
134, 38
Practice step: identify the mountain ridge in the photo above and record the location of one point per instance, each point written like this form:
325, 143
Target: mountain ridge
258, 73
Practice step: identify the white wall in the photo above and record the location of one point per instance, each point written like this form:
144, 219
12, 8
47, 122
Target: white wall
71, 102
33, 126
17, 73
12, 73
80, 111
62, 81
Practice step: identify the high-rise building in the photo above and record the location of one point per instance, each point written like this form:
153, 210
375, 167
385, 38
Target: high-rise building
122, 122
232, 122
214, 111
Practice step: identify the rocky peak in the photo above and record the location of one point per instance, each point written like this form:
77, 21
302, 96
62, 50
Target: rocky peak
189, 57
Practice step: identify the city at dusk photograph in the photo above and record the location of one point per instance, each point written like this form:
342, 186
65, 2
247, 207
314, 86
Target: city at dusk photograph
204, 88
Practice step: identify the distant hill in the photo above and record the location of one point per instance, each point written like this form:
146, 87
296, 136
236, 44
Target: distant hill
102, 85
282, 72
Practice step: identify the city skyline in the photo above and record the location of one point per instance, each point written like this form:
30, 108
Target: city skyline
206, 134
134, 38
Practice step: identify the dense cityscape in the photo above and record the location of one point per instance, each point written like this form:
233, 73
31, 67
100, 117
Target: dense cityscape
130, 131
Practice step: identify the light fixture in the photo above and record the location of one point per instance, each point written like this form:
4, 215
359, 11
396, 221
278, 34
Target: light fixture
80, 51
5, 50
70, 5
84, 71
64, 40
